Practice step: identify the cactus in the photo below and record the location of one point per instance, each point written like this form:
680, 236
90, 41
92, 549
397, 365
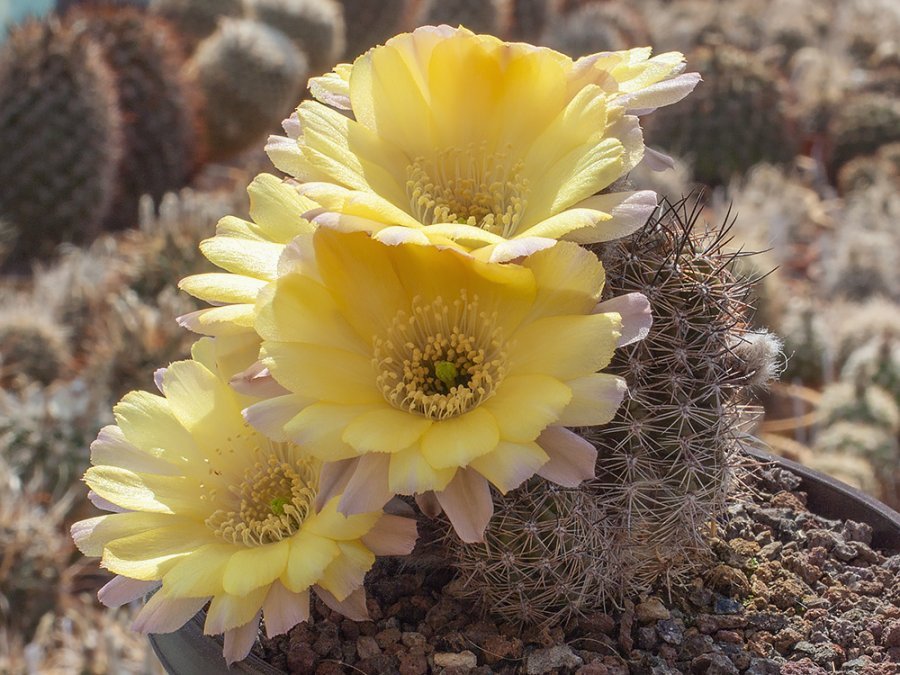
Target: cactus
530, 18
877, 362
735, 118
592, 28
60, 137
315, 26
36, 551
371, 23
33, 345
251, 76
862, 264
481, 16
196, 19
865, 441
665, 462
859, 401
162, 133
547, 556
862, 125
857, 324
809, 356
863, 172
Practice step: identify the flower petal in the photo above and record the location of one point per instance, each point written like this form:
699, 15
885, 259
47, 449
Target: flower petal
456, 441
353, 606
282, 609
468, 504
163, 614
525, 405
310, 555
367, 490
392, 535
572, 458
239, 641
122, 590
510, 464
385, 429
410, 473
634, 310
595, 399
250, 568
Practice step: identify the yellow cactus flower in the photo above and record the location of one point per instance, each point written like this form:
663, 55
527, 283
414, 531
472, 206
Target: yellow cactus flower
499, 147
248, 251
207, 510
416, 369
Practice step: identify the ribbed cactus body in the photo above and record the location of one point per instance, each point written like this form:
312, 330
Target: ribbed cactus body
60, 137
862, 125
371, 23
196, 19
481, 16
315, 26
734, 119
666, 461
33, 345
158, 102
251, 76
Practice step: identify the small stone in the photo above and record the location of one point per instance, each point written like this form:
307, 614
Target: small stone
413, 663
861, 532
671, 631
647, 638
651, 610
546, 660
367, 647
761, 666
729, 581
730, 637
727, 606
713, 664
501, 647
464, 659
413, 640
844, 551
301, 658
710, 623
598, 622
770, 551
802, 667
890, 636
388, 637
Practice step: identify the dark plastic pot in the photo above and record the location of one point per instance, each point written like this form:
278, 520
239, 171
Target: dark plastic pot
189, 652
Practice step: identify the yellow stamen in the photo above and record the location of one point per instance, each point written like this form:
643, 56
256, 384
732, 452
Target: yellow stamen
442, 360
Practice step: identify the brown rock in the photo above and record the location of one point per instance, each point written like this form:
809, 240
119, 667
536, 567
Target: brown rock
729, 581
651, 610
413, 664
367, 647
501, 647
890, 636
464, 659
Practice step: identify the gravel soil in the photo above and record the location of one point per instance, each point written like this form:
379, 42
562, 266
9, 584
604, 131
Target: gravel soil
788, 592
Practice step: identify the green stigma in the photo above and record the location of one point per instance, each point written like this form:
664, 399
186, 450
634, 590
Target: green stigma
277, 505
446, 372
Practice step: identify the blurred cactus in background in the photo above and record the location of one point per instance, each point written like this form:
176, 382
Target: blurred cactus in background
33, 344
251, 76
735, 118
481, 16
369, 23
596, 28
196, 19
859, 401
158, 102
863, 124
60, 137
530, 18
315, 26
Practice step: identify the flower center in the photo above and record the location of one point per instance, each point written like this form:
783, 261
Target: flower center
468, 186
442, 359
271, 502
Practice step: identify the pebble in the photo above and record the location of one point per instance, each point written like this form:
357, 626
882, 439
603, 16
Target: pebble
367, 647
651, 610
671, 631
464, 659
547, 660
